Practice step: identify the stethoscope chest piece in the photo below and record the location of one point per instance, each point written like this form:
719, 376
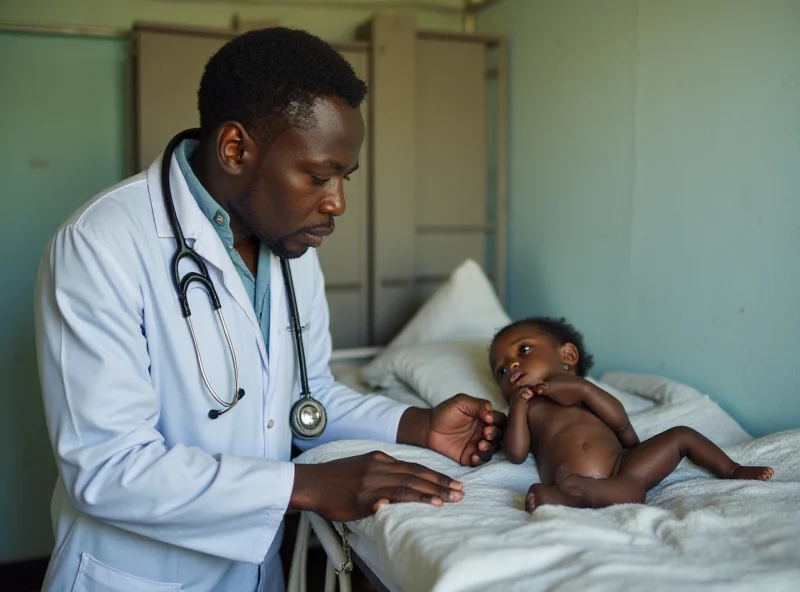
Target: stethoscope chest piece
307, 419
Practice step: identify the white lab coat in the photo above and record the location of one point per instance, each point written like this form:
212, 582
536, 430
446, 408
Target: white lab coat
152, 494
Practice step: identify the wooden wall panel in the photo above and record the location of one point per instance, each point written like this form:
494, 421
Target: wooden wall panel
344, 255
393, 145
168, 71
451, 133
451, 163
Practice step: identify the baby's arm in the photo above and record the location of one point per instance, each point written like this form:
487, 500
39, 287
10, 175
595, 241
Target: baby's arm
517, 435
567, 389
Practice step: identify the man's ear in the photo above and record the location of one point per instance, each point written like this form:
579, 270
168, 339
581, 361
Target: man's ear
235, 148
569, 354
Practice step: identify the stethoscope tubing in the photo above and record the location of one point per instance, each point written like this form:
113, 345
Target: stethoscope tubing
184, 251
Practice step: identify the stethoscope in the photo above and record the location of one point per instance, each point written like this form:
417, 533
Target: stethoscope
307, 418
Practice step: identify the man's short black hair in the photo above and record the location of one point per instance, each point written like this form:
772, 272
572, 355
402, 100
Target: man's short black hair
562, 332
268, 80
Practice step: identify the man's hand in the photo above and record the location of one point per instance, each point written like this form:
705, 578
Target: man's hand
564, 389
462, 428
352, 488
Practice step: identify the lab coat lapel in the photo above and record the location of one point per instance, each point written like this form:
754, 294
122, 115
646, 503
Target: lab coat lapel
201, 236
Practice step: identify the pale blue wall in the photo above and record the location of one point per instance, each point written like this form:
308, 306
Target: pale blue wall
61, 108
655, 188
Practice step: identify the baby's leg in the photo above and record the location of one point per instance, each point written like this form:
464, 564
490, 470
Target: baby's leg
587, 492
652, 460
541, 495
584, 492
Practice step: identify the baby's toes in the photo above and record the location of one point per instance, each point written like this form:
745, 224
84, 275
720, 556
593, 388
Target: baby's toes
530, 502
755, 473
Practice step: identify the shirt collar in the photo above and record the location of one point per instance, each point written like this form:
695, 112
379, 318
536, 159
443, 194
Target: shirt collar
218, 217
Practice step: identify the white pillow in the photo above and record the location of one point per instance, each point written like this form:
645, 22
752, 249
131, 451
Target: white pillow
438, 370
464, 308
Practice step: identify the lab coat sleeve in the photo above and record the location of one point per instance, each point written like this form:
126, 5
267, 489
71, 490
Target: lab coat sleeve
351, 415
102, 414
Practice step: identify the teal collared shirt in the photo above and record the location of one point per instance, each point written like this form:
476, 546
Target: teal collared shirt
257, 287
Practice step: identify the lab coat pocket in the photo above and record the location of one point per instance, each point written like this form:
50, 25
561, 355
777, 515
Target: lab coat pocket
95, 576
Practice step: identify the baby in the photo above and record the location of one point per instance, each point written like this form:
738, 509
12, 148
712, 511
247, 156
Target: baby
588, 454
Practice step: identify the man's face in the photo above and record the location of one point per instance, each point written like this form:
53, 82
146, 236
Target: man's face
295, 188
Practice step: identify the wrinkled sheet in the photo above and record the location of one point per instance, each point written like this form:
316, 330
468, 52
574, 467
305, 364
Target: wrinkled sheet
695, 532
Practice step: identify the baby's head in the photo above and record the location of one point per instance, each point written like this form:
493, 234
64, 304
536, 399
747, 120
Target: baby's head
528, 351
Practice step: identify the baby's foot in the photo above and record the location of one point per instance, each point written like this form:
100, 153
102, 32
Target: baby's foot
541, 495
756, 473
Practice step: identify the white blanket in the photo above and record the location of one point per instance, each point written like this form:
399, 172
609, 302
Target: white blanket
696, 532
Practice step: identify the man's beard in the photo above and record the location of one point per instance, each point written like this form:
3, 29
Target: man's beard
276, 245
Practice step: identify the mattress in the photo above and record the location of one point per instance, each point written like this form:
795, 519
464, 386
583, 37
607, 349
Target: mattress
694, 533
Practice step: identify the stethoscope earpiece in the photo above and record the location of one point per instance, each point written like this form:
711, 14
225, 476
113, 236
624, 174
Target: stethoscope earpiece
215, 413
308, 417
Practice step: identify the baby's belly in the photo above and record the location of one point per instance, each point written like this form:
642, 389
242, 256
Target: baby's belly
586, 448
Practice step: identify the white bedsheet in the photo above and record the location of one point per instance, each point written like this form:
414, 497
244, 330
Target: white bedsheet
695, 532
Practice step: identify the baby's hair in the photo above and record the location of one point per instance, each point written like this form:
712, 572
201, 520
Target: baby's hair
562, 332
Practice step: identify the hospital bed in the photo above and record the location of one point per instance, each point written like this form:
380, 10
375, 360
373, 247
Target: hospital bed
695, 532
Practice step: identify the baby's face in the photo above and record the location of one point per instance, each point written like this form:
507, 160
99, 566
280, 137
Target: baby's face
524, 357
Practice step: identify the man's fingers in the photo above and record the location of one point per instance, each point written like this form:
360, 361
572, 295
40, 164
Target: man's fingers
409, 494
483, 452
381, 502
486, 413
499, 420
492, 434
380, 456
485, 455
423, 474
493, 446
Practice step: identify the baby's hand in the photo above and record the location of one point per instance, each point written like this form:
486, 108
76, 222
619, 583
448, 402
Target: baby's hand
526, 393
521, 397
564, 389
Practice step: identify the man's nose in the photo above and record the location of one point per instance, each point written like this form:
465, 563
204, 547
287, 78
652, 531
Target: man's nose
334, 204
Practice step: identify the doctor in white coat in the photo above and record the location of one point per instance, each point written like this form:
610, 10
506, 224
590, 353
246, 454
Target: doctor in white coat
152, 493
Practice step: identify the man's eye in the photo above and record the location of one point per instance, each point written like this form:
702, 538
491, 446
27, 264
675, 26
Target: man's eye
319, 180
524, 349
501, 372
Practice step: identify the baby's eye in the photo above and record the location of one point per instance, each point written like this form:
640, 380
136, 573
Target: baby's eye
524, 349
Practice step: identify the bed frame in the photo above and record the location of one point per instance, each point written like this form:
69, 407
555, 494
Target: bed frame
314, 529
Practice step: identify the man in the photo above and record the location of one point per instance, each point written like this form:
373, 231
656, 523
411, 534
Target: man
152, 493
